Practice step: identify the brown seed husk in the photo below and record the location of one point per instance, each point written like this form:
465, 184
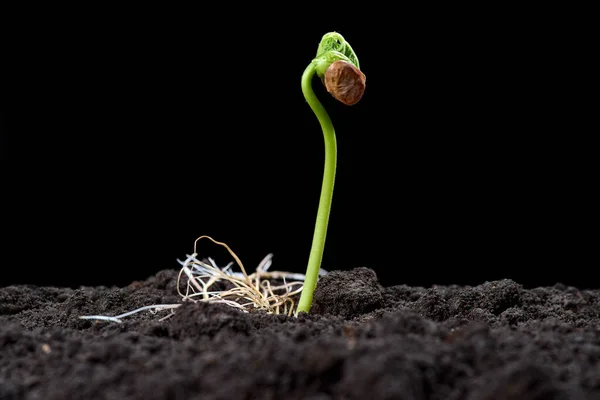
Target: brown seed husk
345, 82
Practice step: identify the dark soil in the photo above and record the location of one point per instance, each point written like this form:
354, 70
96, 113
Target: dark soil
361, 341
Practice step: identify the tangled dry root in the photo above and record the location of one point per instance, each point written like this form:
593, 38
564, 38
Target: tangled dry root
256, 291
271, 292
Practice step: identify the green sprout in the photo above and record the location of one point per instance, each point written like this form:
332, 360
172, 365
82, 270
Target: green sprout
337, 66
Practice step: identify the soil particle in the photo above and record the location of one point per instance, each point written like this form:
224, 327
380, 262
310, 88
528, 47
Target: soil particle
348, 294
493, 341
208, 320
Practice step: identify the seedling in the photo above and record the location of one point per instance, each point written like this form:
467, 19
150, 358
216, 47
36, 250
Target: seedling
337, 66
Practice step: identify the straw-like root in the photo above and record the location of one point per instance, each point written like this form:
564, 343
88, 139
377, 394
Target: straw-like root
246, 292
257, 291
271, 292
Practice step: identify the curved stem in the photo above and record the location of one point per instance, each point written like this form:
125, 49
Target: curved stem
318, 243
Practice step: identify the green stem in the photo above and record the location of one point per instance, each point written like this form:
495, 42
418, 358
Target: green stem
318, 243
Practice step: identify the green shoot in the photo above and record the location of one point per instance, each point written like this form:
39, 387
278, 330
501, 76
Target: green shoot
337, 66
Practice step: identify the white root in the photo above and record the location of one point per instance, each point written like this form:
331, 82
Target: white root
153, 308
246, 292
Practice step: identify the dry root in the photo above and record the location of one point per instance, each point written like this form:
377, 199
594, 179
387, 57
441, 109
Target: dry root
257, 291
271, 292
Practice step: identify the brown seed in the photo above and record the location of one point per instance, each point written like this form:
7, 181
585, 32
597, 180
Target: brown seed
345, 82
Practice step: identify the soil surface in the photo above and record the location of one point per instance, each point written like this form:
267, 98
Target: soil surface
361, 341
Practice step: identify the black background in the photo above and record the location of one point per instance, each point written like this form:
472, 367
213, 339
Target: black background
128, 134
